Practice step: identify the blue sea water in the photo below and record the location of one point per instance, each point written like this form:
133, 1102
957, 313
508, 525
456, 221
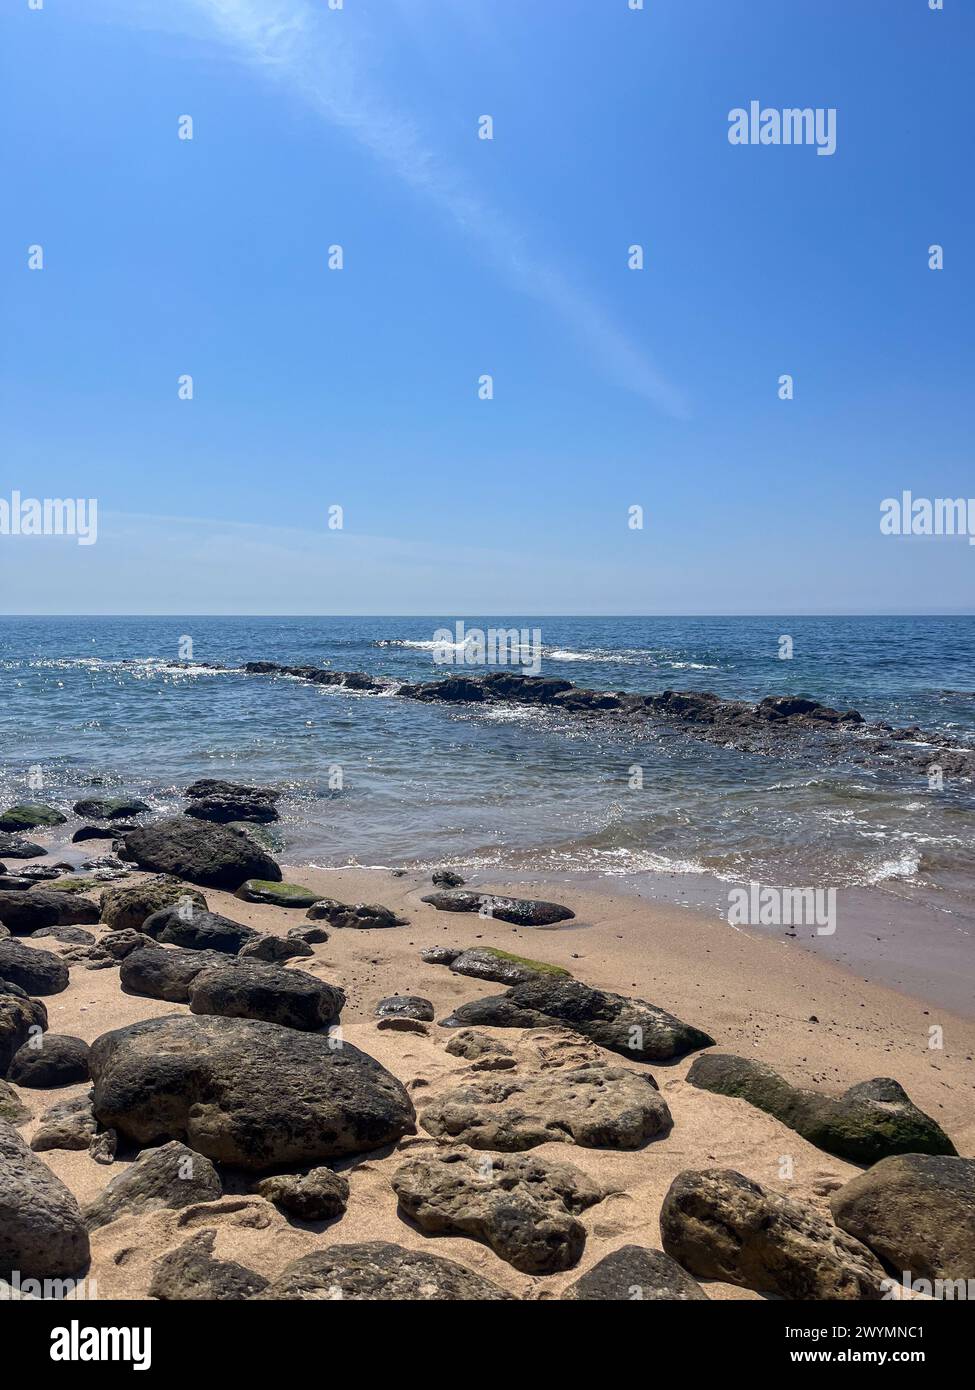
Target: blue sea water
106, 702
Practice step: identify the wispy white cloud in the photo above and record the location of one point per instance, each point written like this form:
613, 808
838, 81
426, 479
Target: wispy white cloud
303, 46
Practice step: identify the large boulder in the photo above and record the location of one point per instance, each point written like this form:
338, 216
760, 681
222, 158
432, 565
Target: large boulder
629, 1026
523, 1207
212, 855
917, 1212
30, 815
376, 1271
36, 971
42, 1235
50, 1059
195, 929
110, 807
161, 972
20, 1019
129, 905
245, 1092
239, 988
720, 1225
171, 1176
524, 912
635, 1274
25, 913
867, 1122
596, 1107
191, 1272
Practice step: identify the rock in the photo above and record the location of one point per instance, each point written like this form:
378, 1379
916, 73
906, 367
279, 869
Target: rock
597, 1107
275, 950
99, 832
916, 1212
172, 1176
68, 1124
14, 883
71, 936
195, 929
201, 851
40, 873
34, 970
20, 1018
50, 1059
398, 1023
24, 913
103, 1147
446, 878
523, 1207
630, 1026
311, 936
42, 1235
376, 1271
4, 932
246, 1092
256, 890
868, 1122
405, 1006
226, 802
439, 955
120, 944
484, 1052
719, 1225
524, 912
635, 1274
30, 816
359, 916
488, 963
110, 807
165, 972
191, 1273
250, 989
12, 1108
129, 906
14, 847
319, 1195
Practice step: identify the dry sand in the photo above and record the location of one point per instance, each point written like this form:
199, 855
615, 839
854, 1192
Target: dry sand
754, 996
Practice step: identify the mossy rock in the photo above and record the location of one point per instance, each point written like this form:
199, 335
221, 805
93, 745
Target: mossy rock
70, 885
503, 967
540, 967
260, 890
30, 815
870, 1121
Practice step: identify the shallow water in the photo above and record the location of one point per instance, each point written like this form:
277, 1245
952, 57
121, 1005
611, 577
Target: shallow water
104, 701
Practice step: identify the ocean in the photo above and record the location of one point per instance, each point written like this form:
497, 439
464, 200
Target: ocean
375, 780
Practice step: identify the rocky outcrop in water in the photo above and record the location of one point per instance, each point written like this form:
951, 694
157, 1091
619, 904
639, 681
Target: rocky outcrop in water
212, 799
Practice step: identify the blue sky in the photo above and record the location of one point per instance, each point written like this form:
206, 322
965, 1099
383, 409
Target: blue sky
464, 256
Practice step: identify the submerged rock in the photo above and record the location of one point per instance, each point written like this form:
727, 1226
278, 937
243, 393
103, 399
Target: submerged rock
523, 1207
524, 912
917, 1212
719, 1225
227, 802
597, 1107
629, 1026
635, 1274
212, 855
110, 807
378, 1271
245, 1092
867, 1122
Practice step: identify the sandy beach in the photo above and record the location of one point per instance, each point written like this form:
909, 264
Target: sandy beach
819, 1024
